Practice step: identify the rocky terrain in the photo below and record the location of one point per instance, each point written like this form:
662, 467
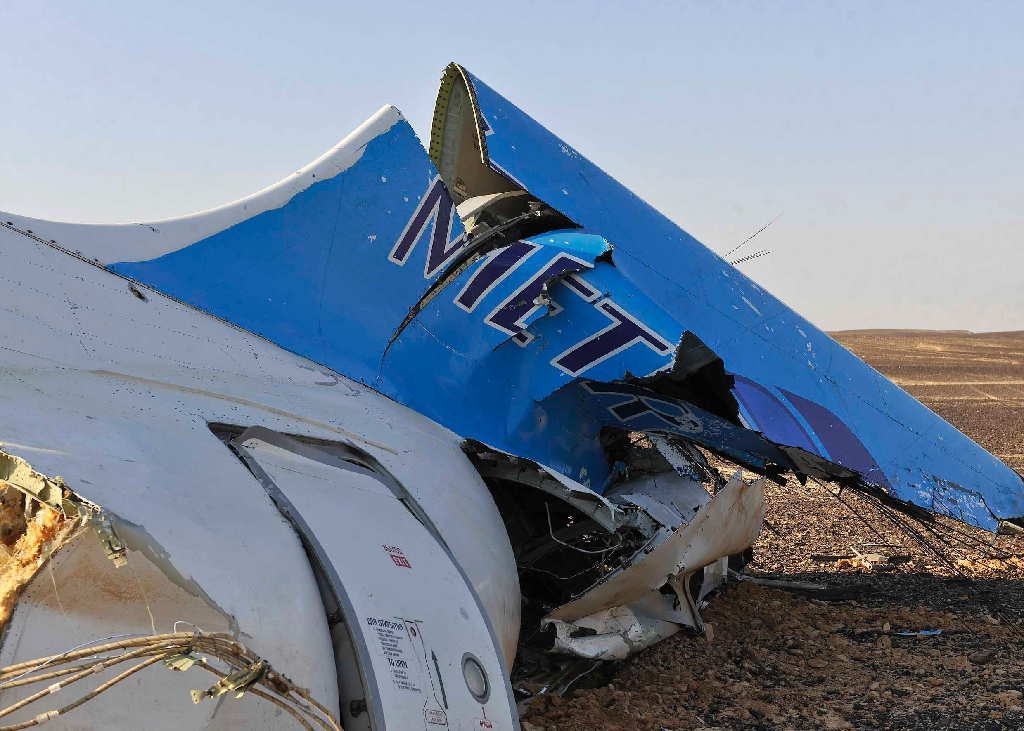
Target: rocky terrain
930, 637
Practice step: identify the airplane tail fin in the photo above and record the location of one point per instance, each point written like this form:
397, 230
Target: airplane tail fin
325, 263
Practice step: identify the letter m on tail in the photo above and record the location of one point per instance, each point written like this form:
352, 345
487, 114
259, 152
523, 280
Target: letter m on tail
437, 209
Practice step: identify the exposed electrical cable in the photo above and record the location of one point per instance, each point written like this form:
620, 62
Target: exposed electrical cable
737, 248
551, 532
179, 651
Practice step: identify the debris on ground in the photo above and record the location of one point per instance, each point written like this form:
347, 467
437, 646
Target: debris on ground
933, 640
780, 660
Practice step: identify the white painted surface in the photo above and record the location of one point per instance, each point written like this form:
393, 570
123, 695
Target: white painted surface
80, 594
412, 607
114, 394
668, 497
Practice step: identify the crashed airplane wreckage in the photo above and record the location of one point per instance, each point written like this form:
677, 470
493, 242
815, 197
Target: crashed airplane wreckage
403, 438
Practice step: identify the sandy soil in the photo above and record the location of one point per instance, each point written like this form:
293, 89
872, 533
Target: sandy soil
836, 659
975, 382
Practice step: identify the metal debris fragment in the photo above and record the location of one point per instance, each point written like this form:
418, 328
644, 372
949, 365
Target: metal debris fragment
112, 544
17, 473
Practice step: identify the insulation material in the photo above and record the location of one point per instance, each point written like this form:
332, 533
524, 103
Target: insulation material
37, 538
12, 520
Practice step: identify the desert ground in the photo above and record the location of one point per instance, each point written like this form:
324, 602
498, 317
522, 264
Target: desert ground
852, 655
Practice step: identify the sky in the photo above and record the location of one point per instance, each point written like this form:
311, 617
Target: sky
888, 136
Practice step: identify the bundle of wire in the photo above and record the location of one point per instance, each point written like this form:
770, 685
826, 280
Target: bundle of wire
245, 673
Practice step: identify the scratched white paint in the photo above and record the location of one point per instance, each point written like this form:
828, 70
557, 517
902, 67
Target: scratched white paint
750, 305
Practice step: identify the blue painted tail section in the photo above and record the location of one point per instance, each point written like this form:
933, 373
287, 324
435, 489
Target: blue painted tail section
536, 345
797, 385
332, 273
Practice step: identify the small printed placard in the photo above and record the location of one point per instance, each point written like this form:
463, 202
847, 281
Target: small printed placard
397, 556
393, 645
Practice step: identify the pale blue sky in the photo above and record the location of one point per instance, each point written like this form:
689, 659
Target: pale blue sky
889, 134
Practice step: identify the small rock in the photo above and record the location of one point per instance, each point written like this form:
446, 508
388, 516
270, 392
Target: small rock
981, 658
817, 662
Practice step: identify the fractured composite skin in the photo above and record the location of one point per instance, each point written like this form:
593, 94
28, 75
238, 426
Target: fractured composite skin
779, 659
